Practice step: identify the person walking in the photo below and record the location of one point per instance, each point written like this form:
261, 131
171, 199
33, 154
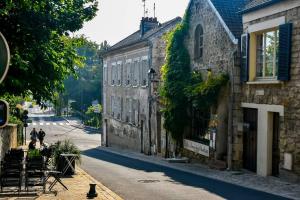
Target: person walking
33, 134
41, 136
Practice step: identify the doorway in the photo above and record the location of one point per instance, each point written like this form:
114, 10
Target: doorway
250, 139
275, 145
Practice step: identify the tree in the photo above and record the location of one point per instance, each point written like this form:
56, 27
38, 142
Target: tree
42, 54
87, 87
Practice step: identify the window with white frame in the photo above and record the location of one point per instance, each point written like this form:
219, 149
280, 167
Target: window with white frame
267, 54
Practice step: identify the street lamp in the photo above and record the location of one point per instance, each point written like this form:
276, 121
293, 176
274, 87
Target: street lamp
151, 76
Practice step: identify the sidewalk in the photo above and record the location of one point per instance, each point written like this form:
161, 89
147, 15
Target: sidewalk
78, 187
246, 179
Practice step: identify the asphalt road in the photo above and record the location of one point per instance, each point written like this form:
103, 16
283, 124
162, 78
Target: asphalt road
133, 179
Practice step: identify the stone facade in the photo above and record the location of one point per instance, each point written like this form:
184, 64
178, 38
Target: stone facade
280, 95
129, 119
220, 55
8, 138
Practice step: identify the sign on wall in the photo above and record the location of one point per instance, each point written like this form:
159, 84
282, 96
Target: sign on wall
196, 147
4, 57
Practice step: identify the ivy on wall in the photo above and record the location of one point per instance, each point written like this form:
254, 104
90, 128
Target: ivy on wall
183, 89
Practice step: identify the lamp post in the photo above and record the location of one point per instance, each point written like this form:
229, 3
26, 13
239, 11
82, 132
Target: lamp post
151, 76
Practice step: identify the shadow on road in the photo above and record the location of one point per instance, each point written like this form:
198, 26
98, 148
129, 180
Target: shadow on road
223, 189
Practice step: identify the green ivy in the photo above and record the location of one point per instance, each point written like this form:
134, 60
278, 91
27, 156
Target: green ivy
182, 89
175, 75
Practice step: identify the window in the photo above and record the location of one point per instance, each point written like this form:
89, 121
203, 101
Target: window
128, 72
105, 74
112, 106
113, 74
119, 108
144, 72
131, 73
127, 110
267, 54
119, 73
135, 73
198, 51
134, 111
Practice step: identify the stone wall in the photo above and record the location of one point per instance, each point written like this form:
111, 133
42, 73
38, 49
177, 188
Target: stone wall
286, 93
220, 54
8, 138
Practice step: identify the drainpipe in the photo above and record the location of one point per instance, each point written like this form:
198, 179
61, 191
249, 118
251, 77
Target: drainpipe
150, 97
230, 117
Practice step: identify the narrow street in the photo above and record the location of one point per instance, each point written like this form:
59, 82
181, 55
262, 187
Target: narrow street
134, 179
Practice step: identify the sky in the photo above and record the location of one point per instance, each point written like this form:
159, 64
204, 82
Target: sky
117, 19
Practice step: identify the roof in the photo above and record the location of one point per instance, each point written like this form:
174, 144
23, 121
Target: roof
229, 10
136, 37
258, 4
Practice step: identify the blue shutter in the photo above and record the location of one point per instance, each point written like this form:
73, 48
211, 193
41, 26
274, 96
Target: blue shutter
245, 57
284, 51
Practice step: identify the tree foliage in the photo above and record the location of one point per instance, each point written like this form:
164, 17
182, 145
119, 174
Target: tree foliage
42, 54
87, 86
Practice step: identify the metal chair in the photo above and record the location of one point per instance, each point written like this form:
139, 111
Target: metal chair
35, 173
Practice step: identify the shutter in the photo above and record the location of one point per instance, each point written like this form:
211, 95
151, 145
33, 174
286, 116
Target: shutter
245, 57
284, 51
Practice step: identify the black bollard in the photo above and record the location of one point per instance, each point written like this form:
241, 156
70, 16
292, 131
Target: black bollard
92, 193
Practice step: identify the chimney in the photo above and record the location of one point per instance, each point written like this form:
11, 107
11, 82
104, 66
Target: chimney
148, 23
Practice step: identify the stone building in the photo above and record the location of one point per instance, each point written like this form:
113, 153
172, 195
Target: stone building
131, 116
215, 27
268, 137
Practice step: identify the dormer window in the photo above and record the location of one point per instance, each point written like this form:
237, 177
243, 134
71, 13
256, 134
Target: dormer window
198, 51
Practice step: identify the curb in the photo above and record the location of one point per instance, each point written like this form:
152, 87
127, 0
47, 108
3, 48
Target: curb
160, 163
99, 185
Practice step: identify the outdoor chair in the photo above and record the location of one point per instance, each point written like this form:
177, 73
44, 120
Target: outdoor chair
35, 173
12, 169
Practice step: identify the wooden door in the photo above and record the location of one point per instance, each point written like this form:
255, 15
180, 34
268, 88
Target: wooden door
275, 145
250, 139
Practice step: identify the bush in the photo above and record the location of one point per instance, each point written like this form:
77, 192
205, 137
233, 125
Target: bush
65, 146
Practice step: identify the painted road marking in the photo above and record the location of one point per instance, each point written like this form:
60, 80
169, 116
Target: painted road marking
54, 124
41, 124
34, 124
61, 124
47, 124
68, 124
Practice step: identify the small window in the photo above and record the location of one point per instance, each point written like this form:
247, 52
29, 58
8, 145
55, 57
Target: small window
198, 52
267, 54
105, 74
144, 72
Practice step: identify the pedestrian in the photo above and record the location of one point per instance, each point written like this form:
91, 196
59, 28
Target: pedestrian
33, 134
32, 144
41, 136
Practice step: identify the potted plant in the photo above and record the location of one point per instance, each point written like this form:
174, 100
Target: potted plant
64, 147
